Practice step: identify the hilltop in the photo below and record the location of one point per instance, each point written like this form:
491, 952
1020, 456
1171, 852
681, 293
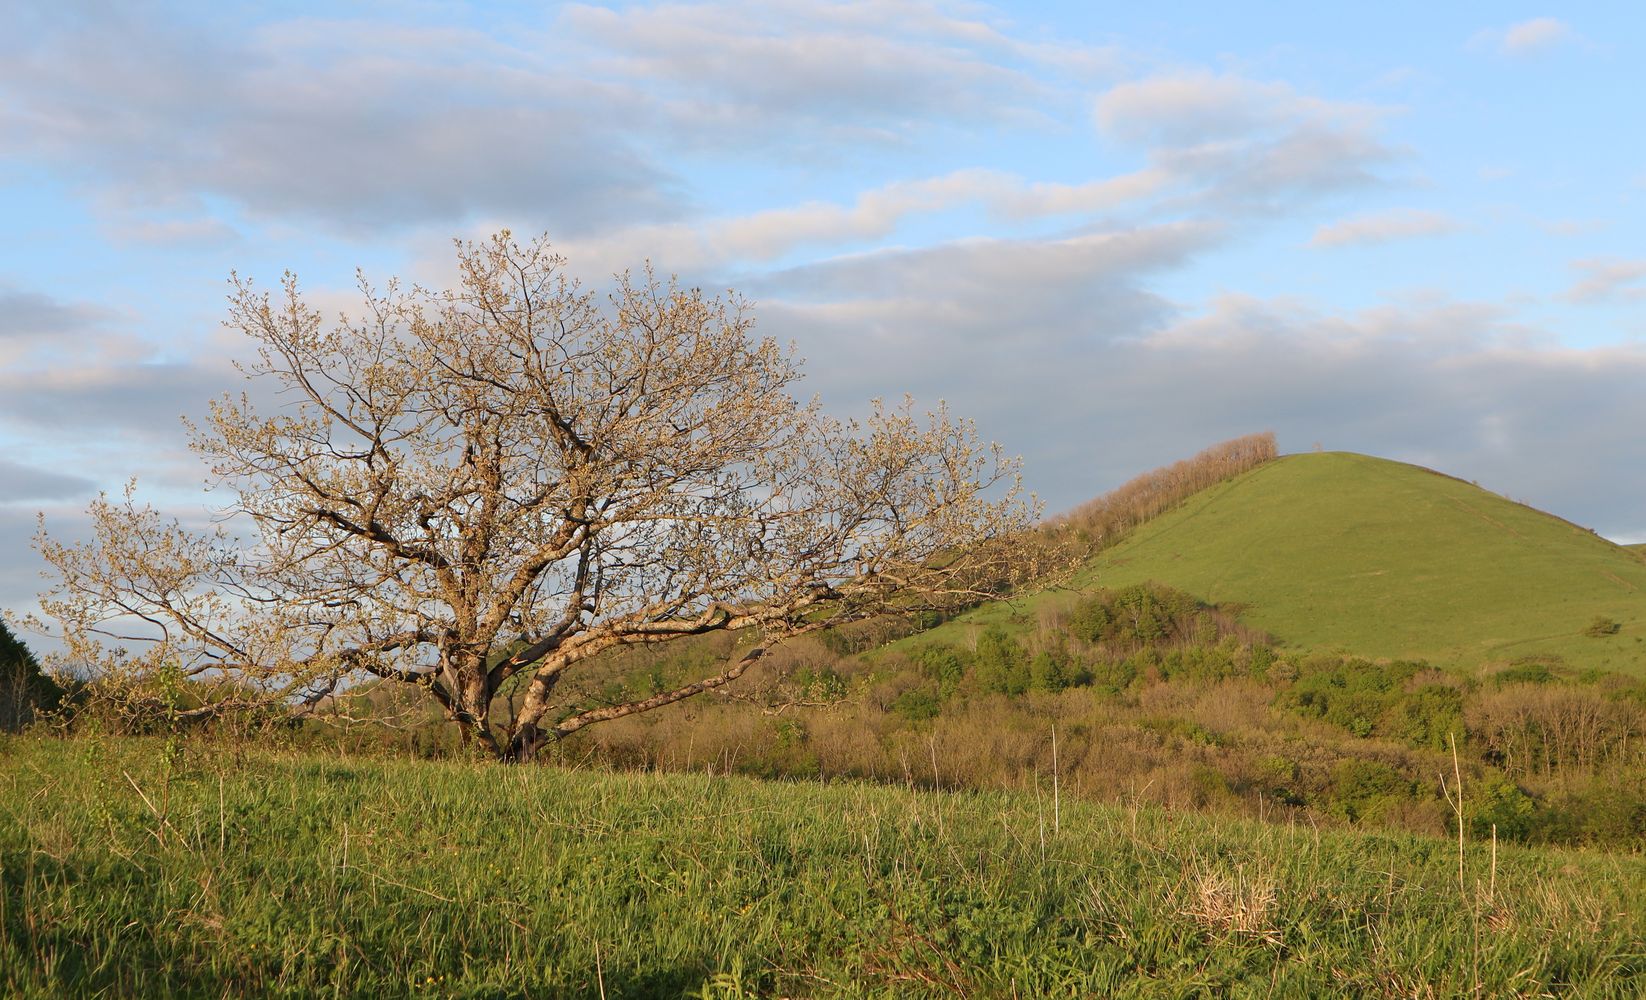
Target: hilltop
1338, 551
1344, 553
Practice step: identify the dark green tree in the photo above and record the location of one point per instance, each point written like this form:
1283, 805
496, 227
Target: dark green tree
24, 689
1001, 666
1048, 672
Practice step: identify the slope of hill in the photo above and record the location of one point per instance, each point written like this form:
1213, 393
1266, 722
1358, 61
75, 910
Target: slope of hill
1346, 552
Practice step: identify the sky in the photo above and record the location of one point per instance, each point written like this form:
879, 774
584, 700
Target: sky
1112, 234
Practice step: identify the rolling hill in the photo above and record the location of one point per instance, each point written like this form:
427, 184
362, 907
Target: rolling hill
1341, 552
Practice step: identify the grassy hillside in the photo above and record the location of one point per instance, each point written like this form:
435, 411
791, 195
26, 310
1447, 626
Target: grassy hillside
1341, 551
1344, 552
129, 870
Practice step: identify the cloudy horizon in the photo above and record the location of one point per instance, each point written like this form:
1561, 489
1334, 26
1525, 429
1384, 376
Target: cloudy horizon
1111, 240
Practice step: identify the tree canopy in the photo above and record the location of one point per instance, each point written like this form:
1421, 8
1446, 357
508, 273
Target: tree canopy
509, 477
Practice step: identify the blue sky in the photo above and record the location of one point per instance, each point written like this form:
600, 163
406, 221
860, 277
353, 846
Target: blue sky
1112, 234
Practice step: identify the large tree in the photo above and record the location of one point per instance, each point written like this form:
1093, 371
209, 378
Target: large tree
510, 477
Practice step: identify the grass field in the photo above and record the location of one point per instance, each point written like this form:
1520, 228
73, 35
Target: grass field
127, 869
1346, 553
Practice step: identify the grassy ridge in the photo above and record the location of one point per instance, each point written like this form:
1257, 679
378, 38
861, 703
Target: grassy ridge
298, 876
1386, 559
1346, 553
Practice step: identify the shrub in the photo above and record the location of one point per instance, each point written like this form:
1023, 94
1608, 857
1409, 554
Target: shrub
1601, 627
917, 704
1367, 789
1111, 676
1047, 673
1502, 804
944, 665
1609, 813
1424, 718
1525, 672
1369, 699
1000, 663
820, 684
1092, 621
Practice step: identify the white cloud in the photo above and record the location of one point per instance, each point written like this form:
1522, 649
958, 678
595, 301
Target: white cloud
352, 124
573, 124
1535, 35
37, 329
1607, 278
1194, 108
817, 72
195, 231
1575, 227
1525, 38
964, 319
806, 60
1236, 144
874, 215
1383, 227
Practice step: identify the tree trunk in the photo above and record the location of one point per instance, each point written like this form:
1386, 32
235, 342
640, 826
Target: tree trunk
473, 708
523, 747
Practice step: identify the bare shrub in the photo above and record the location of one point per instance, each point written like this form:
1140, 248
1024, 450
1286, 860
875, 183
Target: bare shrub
1529, 729
1239, 902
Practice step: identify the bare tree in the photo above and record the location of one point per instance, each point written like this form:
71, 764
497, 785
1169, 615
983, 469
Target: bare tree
513, 476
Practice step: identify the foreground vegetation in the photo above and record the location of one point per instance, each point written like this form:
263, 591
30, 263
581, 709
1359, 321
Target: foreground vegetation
993, 804
154, 868
1146, 694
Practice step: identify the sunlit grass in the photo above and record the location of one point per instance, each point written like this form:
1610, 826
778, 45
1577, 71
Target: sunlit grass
225, 873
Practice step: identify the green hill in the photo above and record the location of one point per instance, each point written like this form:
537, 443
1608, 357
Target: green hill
1346, 552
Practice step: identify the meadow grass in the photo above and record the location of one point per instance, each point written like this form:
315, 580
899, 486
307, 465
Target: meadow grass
1336, 552
140, 868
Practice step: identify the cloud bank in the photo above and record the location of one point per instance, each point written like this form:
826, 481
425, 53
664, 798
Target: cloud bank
1055, 235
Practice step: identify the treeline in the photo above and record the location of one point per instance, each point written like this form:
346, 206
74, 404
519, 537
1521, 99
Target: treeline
1105, 520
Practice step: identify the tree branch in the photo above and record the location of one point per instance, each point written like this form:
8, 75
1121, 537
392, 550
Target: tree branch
571, 725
